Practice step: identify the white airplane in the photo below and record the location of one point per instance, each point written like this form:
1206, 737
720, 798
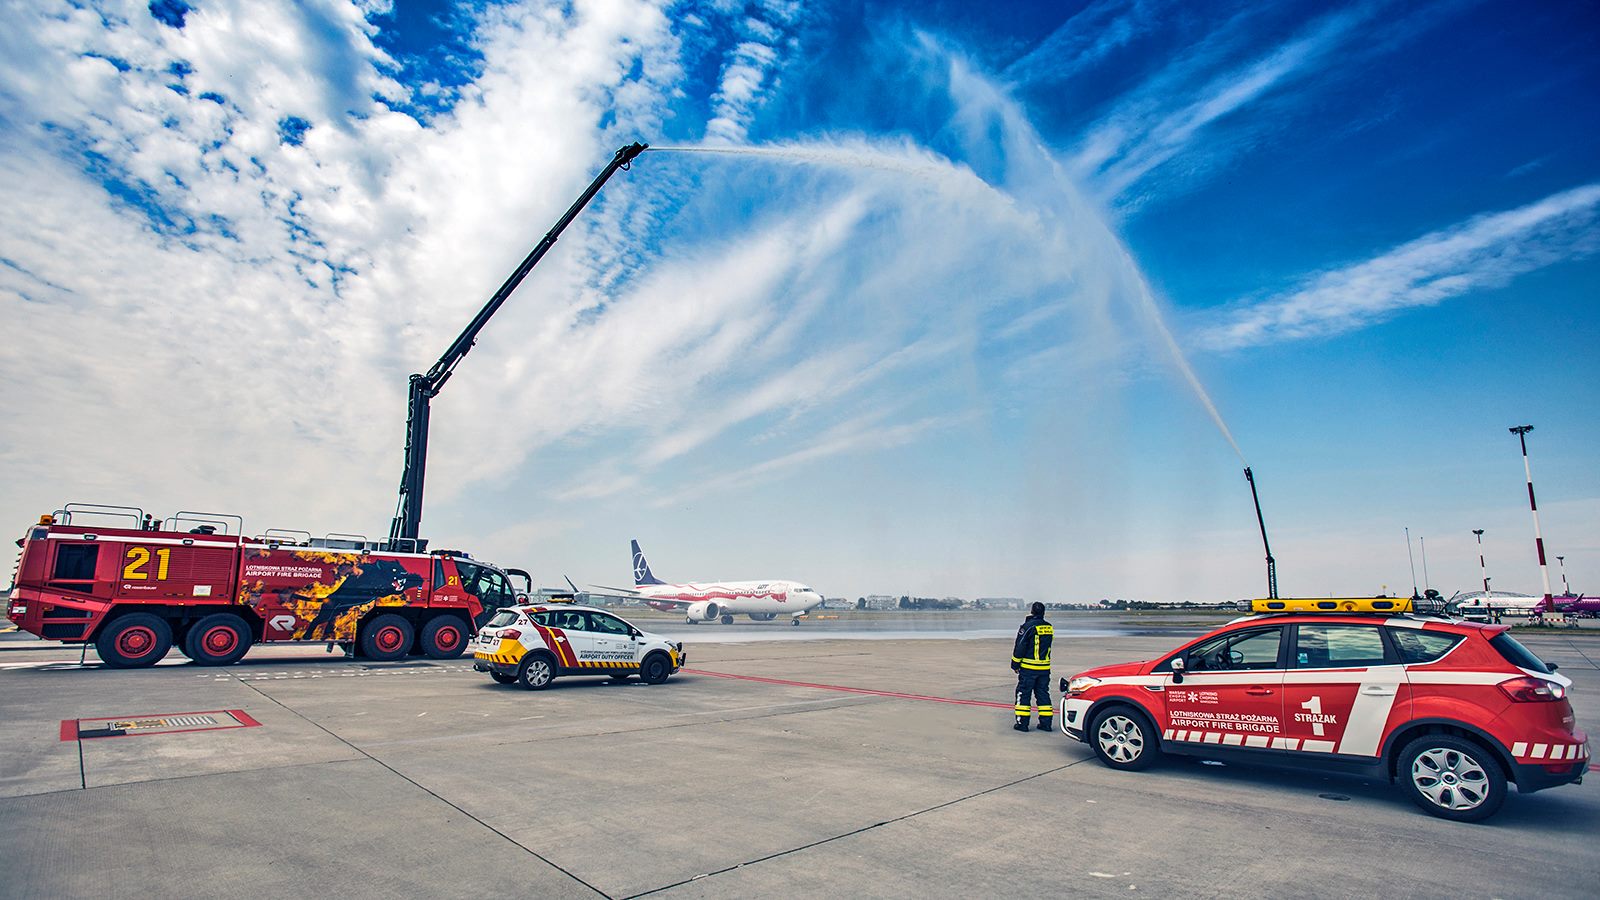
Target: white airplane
1483, 604
762, 601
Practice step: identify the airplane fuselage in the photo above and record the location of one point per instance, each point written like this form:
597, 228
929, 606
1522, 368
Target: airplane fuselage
707, 601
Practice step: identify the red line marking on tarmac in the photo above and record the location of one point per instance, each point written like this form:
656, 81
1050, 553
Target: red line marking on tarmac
894, 695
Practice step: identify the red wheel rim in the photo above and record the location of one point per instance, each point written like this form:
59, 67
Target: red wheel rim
447, 637
220, 640
388, 638
136, 641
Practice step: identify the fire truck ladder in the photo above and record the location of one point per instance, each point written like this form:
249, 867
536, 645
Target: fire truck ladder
408, 516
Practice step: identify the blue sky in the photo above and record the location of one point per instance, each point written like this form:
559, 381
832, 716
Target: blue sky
924, 322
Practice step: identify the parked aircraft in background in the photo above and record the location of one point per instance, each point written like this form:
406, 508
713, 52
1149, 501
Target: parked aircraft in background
762, 601
1575, 605
1485, 605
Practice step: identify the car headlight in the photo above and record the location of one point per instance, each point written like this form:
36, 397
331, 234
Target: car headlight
1081, 683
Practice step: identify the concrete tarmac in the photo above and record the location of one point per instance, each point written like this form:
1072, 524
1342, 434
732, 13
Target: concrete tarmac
833, 765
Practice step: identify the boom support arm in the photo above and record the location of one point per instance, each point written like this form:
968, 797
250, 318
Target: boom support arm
1272, 564
408, 516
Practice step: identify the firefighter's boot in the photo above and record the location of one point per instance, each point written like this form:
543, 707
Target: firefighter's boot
1044, 723
1022, 723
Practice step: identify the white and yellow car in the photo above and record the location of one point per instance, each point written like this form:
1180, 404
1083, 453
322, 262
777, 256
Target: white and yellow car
532, 645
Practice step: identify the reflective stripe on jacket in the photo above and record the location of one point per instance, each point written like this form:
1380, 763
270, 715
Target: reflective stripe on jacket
1032, 650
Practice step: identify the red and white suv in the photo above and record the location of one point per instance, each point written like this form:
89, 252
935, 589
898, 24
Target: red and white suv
1453, 710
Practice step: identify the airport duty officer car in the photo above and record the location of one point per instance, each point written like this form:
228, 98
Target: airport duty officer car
1452, 710
533, 644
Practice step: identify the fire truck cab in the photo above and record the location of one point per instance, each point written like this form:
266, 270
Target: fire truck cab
135, 587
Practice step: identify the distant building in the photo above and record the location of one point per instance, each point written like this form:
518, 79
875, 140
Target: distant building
1000, 602
880, 601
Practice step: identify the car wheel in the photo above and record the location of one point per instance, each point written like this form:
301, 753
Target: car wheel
537, 672
444, 637
503, 679
387, 637
1123, 738
655, 669
134, 641
1452, 778
217, 640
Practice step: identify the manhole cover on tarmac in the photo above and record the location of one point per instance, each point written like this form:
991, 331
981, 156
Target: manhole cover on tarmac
161, 723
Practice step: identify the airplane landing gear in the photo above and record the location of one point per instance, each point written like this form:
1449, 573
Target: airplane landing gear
727, 620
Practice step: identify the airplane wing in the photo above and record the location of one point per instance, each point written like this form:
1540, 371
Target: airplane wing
630, 592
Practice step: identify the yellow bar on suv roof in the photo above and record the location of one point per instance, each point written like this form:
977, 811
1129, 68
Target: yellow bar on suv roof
1330, 605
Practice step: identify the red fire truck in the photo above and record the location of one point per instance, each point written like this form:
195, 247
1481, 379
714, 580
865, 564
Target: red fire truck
141, 586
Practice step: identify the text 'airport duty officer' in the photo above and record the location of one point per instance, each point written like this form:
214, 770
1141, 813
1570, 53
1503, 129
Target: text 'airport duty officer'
1030, 659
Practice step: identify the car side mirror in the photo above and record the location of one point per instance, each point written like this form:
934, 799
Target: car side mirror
1177, 670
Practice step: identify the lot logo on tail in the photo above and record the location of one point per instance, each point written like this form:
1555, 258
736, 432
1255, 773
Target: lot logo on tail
641, 569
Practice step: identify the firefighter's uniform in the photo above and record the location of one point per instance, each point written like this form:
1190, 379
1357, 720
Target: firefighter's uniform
1030, 658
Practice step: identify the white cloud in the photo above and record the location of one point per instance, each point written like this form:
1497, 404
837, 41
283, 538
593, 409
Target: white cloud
750, 71
1169, 114
1486, 251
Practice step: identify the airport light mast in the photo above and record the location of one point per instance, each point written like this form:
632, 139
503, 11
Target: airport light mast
1521, 431
1561, 563
1482, 569
408, 516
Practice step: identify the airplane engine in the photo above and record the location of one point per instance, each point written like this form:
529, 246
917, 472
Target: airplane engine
704, 611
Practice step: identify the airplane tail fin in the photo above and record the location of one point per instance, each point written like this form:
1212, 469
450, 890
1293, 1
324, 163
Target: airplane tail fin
641, 569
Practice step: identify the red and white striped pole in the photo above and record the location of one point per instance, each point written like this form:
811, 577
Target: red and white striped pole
1482, 569
1521, 431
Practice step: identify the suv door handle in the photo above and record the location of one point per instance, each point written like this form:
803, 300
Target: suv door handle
1258, 691
1379, 690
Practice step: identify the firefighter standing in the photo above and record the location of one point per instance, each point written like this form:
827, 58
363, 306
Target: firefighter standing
1030, 659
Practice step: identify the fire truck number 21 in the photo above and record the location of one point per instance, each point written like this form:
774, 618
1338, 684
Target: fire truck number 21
139, 557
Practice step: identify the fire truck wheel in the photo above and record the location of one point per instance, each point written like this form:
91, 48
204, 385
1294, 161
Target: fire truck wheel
444, 637
1452, 778
217, 640
537, 672
134, 641
655, 668
386, 637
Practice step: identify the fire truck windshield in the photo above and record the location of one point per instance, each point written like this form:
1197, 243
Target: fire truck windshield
488, 585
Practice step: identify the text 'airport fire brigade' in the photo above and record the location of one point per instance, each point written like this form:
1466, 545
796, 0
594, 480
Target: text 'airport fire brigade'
138, 589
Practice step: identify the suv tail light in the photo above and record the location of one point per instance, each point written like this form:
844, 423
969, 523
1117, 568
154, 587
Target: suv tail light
511, 634
1528, 689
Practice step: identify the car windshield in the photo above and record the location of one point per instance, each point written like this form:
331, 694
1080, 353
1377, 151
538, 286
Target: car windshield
1516, 654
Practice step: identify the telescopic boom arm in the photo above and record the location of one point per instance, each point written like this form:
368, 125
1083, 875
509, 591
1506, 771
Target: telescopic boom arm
408, 516
1272, 564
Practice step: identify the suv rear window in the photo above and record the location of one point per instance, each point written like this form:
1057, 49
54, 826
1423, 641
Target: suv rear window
1516, 654
503, 617
1423, 646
